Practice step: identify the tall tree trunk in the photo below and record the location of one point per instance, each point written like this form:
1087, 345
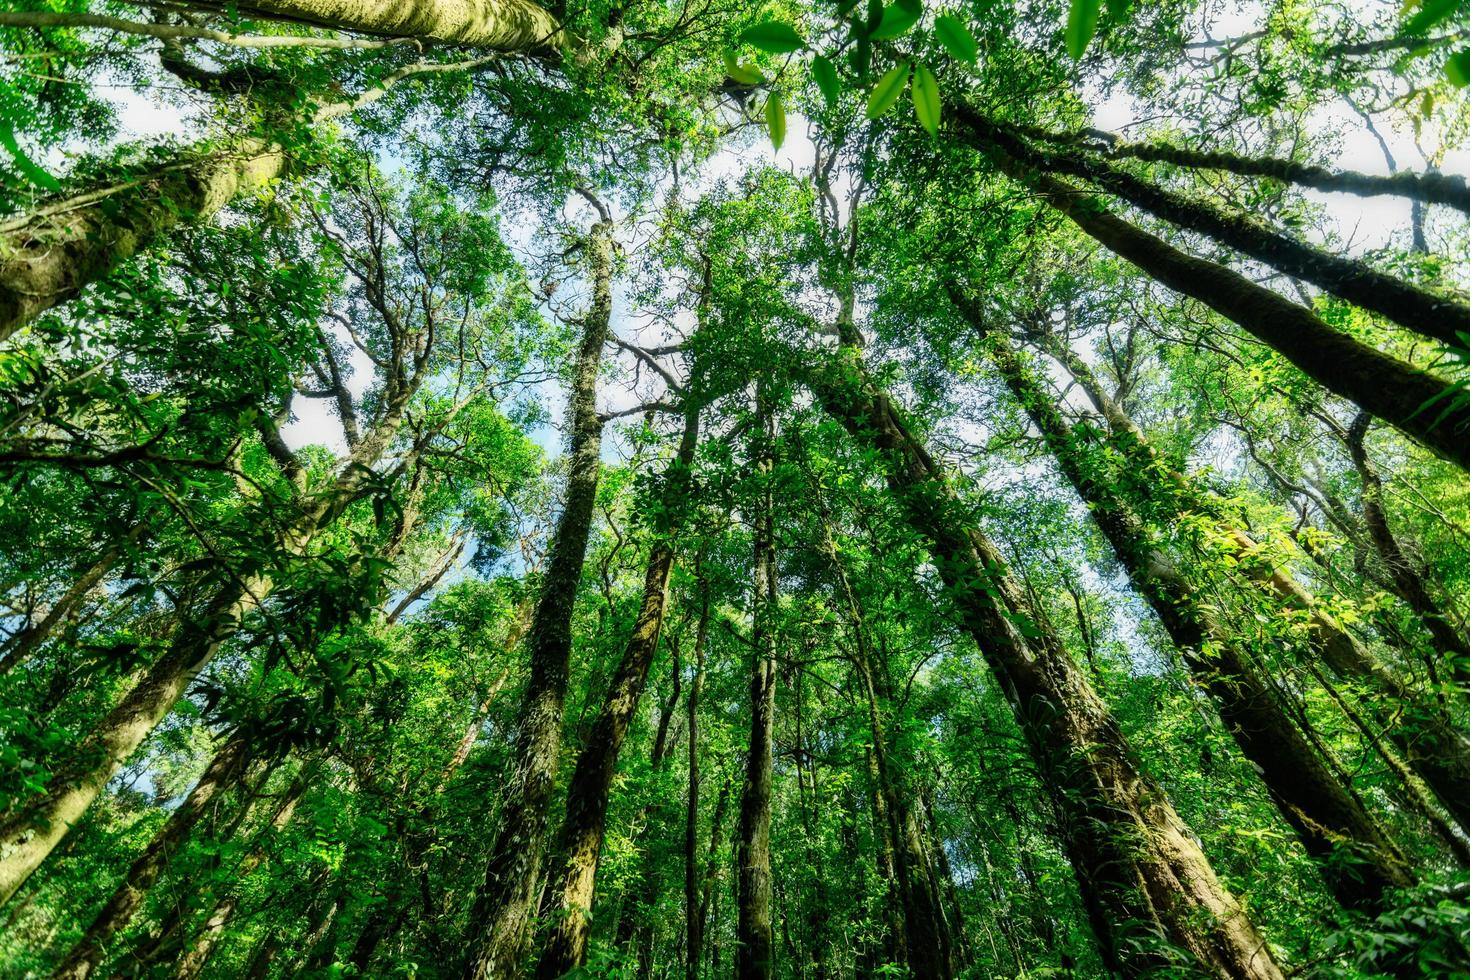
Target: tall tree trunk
30, 835
1356, 857
1436, 316
517, 26
693, 922
584, 826
753, 850
1137, 863
1392, 390
224, 769
506, 899
1408, 577
1430, 187
1420, 727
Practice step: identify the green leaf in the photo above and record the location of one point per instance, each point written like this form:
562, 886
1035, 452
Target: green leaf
744, 74
896, 21
1431, 12
956, 38
888, 89
773, 37
826, 75
1457, 69
926, 99
776, 120
1081, 25
28, 168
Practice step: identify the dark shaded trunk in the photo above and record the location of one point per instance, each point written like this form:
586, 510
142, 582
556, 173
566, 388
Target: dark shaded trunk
1392, 390
1138, 866
1407, 574
1436, 316
506, 899
1426, 188
753, 950
223, 771
584, 826
1356, 857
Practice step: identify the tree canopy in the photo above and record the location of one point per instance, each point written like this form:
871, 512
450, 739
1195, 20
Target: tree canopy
692, 489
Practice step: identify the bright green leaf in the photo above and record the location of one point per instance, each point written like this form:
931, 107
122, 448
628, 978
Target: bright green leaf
29, 169
926, 99
773, 37
888, 89
826, 76
956, 38
776, 120
896, 21
744, 74
1081, 25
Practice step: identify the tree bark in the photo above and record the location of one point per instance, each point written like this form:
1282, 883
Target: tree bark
518, 26
506, 899
753, 951
1354, 854
1137, 863
1408, 577
1436, 316
223, 771
1390, 389
1426, 188
584, 825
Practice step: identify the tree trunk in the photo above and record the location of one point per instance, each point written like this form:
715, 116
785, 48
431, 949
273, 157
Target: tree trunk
1419, 727
27, 837
1357, 858
1408, 578
693, 922
223, 770
753, 852
1392, 390
1438, 317
506, 899
1138, 865
584, 826
496, 25
1426, 188
24, 644
47, 258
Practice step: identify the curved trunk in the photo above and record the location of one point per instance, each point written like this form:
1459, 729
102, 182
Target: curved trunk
1137, 864
1356, 857
584, 826
506, 899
